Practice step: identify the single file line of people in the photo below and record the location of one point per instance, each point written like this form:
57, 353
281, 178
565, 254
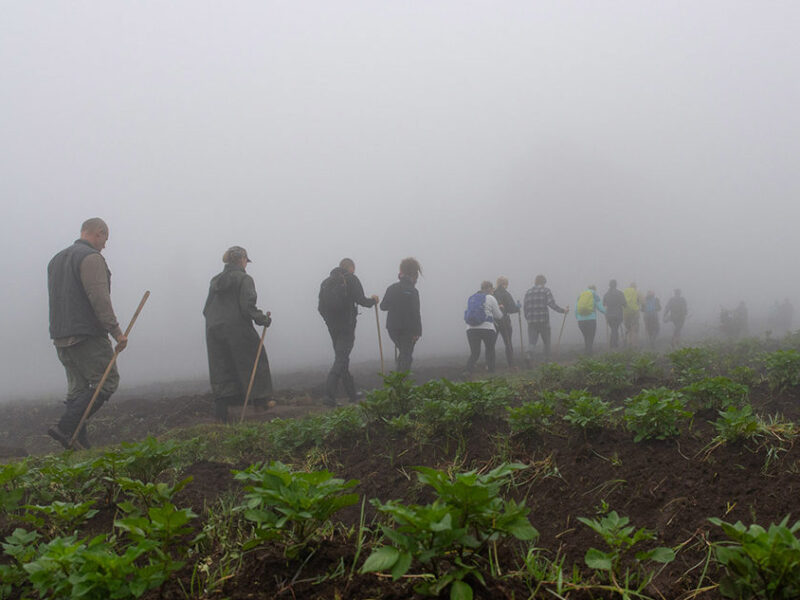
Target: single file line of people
82, 319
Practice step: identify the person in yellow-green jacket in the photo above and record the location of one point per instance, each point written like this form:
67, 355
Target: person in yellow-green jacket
586, 308
631, 313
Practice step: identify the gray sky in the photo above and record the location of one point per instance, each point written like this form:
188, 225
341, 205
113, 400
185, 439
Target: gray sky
647, 141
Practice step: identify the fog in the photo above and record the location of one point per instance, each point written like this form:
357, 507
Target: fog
655, 142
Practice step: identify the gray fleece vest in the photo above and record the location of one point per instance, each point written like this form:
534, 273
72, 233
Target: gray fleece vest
71, 313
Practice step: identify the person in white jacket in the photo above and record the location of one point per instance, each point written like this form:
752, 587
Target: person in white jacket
480, 316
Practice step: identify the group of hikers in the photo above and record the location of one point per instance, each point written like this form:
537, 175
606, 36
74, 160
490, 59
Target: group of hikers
82, 318
489, 310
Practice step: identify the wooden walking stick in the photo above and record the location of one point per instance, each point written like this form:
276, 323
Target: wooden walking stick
105, 374
253, 372
560, 333
380, 343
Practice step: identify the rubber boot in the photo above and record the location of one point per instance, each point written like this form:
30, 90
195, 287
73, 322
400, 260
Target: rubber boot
221, 410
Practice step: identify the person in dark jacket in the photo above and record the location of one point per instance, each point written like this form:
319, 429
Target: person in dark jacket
614, 301
508, 306
403, 321
231, 340
676, 311
81, 318
339, 294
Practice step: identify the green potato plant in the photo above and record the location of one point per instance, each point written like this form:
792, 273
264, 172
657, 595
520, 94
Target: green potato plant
452, 537
759, 563
620, 537
290, 506
655, 414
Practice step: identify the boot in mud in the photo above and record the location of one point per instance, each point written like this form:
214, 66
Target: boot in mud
221, 410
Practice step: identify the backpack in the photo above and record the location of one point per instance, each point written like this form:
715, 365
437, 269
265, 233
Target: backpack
333, 296
476, 310
586, 303
632, 298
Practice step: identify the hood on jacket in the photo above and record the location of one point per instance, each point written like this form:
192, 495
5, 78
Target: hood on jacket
227, 279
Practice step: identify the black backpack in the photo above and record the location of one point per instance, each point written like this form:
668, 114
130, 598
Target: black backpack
333, 297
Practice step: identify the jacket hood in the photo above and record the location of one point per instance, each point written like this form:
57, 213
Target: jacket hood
338, 271
227, 279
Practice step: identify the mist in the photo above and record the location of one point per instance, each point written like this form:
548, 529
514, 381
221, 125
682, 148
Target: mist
645, 142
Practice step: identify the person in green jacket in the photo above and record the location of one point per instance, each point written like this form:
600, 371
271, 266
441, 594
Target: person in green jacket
231, 340
587, 305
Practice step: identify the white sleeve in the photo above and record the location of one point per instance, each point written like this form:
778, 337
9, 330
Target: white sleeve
492, 308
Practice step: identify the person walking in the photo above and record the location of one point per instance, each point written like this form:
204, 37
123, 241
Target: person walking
480, 316
231, 341
403, 320
676, 311
650, 310
538, 300
339, 294
81, 319
631, 314
586, 308
508, 306
614, 302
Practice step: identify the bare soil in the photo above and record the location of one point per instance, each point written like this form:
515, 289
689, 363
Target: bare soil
671, 487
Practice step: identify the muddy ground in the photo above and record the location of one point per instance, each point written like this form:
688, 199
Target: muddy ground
671, 487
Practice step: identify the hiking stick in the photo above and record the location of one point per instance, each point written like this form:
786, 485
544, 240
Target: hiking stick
560, 333
521, 341
380, 343
253, 372
105, 374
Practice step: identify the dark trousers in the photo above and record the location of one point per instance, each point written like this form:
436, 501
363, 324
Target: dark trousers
588, 329
404, 342
343, 341
652, 327
613, 324
475, 337
539, 329
84, 364
505, 330
231, 355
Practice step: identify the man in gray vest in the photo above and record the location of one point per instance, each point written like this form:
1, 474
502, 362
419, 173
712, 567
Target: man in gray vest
81, 317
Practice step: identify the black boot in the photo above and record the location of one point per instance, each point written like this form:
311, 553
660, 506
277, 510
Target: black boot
221, 410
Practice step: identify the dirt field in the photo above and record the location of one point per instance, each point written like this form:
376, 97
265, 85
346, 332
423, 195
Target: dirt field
671, 486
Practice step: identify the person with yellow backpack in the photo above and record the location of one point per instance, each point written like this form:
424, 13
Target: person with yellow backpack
586, 313
631, 313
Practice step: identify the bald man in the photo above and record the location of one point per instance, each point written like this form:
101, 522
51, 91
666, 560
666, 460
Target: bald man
81, 319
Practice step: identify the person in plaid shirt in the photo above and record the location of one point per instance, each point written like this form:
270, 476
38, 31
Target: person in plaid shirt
538, 302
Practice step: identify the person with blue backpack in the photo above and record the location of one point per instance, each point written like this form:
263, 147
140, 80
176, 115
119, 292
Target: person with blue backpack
480, 316
586, 308
650, 310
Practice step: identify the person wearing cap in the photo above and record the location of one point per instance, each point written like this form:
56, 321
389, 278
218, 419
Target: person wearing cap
81, 319
231, 340
339, 295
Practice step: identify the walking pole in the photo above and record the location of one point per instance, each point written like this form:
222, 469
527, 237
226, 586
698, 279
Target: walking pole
105, 374
521, 341
253, 372
380, 343
560, 333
